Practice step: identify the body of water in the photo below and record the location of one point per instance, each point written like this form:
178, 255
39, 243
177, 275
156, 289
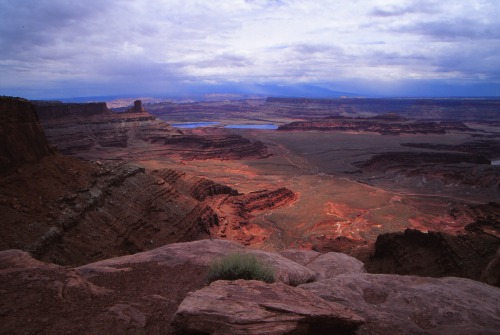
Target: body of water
252, 126
194, 124
229, 126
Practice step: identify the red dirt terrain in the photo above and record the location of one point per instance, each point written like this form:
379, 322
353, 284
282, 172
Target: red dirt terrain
70, 211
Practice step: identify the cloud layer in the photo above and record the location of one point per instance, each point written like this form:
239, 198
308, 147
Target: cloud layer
58, 48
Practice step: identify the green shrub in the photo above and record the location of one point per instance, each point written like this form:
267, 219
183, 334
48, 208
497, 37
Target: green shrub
240, 266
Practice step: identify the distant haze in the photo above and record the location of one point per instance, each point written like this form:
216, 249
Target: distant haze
62, 48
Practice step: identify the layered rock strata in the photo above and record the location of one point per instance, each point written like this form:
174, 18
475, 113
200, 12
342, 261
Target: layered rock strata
385, 124
91, 130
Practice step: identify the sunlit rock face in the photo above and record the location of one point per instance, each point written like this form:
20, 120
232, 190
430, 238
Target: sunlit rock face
22, 138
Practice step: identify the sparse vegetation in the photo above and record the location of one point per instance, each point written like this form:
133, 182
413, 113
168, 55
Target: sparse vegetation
240, 266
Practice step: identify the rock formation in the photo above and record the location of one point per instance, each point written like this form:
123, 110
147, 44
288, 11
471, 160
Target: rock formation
443, 171
21, 136
93, 131
438, 109
433, 254
388, 124
326, 265
141, 293
253, 308
70, 211
400, 305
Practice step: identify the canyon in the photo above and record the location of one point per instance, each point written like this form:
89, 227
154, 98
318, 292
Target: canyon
85, 189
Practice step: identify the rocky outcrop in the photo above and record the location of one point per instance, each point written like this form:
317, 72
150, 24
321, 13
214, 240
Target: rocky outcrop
327, 265
77, 128
433, 254
216, 146
437, 109
45, 298
137, 108
385, 124
236, 213
203, 253
22, 139
453, 172
71, 212
491, 275
141, 293
68, 211
196, 187
93, 131
392, 304
253, 307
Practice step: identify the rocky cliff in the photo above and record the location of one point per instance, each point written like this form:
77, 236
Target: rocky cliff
93, 131
21, 136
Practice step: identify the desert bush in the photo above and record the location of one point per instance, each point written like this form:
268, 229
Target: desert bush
240, 266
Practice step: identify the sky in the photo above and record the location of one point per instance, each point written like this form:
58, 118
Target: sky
67, 48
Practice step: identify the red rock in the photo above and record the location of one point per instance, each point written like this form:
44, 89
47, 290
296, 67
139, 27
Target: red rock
244, 307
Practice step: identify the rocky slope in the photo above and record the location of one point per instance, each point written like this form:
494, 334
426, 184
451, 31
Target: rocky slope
145, 292
110, 209
68, 211
91, 130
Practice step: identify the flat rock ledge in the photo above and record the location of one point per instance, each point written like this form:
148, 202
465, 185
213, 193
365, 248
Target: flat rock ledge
250, 307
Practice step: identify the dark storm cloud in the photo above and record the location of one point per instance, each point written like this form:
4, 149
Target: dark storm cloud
30, 24
454, 29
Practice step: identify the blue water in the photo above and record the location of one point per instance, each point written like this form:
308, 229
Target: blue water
194, 124
252, 126
230, 126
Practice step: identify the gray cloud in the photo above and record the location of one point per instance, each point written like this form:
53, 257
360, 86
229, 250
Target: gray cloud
91, 45
456, 29
415, 7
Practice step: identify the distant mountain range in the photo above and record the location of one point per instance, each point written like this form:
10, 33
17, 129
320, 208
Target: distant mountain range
200, 92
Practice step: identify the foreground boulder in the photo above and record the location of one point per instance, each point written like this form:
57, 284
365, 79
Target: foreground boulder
393, 304
202, 253
252, 307
327, 265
